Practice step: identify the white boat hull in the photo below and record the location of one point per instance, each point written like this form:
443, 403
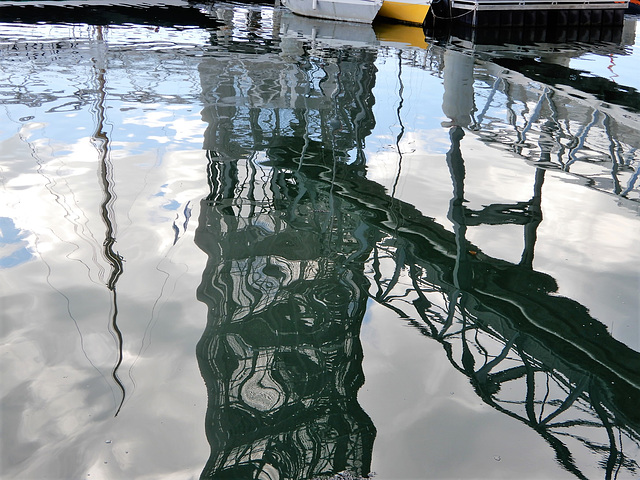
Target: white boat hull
360, 11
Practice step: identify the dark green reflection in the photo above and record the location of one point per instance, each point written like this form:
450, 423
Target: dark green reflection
281, 353
284, 282
298, 240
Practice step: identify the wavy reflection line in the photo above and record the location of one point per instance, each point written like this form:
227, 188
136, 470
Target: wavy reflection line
144, 344
634, 178
51, 183
61, 201
71, 316
79, 228
483, 381
402, 129
615, 153
115, 260
556, 126
530, 326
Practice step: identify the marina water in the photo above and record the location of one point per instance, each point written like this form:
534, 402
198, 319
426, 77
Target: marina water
237, 243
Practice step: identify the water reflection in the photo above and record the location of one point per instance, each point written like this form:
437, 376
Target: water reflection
92, 213
299, 240
506, 327
100, 140
530, 100
284, 283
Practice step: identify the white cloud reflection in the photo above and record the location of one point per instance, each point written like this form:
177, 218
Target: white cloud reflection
59, 347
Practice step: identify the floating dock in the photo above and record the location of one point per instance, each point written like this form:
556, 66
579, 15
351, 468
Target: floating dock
527, 13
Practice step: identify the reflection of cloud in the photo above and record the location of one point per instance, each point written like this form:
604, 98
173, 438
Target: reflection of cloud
58, 398
14, 248
56, 308
594, 262
176, 128
383, 160
57, 411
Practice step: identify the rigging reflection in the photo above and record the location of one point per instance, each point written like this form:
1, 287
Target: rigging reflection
585, 125
299, 240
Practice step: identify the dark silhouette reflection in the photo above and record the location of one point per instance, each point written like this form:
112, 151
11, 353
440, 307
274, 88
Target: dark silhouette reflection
503, 328
298, 240
281, 353
100, 139
284, 283
107, 13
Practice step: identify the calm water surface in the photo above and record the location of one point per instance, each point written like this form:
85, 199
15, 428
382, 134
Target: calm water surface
261, 246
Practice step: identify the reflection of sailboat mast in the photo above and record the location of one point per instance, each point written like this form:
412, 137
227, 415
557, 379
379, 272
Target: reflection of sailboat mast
400, 124
101, 142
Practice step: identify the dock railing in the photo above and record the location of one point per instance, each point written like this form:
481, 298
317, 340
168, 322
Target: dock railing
528, 13
539, 4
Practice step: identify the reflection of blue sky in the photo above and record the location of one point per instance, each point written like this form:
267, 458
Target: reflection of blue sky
421, 104
620, 68
14, 249
172, 205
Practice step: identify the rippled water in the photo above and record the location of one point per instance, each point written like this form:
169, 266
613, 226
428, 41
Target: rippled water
260, 246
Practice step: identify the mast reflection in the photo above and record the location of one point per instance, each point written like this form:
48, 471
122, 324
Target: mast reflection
100, 139
298, 240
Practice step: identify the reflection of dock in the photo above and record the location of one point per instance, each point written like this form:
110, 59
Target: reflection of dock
167, 13
541, 109
281, 354
528, 334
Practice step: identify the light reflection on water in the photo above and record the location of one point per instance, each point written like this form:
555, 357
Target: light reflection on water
353, 195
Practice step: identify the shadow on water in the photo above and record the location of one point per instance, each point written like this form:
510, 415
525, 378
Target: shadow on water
299, 240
